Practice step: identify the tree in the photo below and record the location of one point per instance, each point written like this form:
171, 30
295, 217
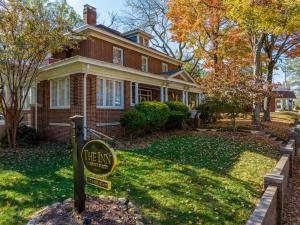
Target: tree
259, 18
29, 31
150, 16
278, 47
234, 92
291, 68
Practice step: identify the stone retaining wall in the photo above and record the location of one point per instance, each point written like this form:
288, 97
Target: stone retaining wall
269, 210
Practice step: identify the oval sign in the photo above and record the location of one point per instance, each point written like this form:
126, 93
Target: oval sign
98, 158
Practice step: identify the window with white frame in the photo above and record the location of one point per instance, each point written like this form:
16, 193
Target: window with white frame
30, 98
144, 63
109, 93
60, 93
165, 67
145, 95
118, 56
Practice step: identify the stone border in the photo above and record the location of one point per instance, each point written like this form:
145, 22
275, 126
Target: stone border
269, 211
38, 216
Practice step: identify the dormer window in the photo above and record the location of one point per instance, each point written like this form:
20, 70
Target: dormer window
143, 41
138, 36
144, 63
165, 67
118, 56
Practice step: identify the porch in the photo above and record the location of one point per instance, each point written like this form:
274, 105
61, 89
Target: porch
140, 92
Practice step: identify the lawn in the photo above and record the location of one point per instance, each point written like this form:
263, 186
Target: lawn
194, 179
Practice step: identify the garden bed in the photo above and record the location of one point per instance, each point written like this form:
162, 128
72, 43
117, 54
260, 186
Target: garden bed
196, 178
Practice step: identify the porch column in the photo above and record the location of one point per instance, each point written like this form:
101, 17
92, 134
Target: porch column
199, 99
136, 97
183, 97
186, 97
161, 94
166, 94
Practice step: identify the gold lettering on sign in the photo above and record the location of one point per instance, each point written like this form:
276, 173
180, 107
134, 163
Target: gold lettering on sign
104, 158
100, 158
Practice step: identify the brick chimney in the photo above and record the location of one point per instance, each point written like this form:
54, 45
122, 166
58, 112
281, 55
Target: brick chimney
89, 15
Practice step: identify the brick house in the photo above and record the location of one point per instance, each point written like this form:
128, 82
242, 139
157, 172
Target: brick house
109, 73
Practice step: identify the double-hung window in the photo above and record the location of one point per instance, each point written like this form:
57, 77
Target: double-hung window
164, 67
118, 56
144, 63
30, 98
110, 93
60, 93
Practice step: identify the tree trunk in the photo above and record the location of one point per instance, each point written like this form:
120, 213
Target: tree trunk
257, 48
267, 116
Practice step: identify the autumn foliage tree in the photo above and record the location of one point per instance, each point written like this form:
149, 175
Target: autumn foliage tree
234, 35
29, 31
221, 45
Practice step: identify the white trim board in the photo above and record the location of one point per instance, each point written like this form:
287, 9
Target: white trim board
60, 124
108, 124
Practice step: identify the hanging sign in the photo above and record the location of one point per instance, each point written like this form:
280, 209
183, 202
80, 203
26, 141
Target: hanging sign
98, 158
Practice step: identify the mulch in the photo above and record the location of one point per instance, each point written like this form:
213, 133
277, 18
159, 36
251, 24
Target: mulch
99, 211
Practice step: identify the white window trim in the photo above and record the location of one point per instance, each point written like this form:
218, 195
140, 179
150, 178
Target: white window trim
65, 95
147, 64
166, 65
114, 93
122, 56
32, 99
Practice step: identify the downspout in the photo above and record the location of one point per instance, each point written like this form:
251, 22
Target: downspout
84, 103
36, 106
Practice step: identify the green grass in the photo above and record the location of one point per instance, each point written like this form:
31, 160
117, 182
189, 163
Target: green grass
182, 180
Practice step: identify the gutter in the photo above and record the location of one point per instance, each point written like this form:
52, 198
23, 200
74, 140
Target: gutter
85, 103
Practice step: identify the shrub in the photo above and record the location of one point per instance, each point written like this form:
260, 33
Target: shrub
26, 137
156, 113
175, 120
179, 112
133, 120
210, 111
179, 107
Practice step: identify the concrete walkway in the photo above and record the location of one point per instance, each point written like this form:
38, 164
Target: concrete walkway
291, 213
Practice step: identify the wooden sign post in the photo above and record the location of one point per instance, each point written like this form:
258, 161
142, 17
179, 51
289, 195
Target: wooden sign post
96, 156
78, 167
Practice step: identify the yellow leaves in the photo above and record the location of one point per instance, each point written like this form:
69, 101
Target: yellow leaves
276, 17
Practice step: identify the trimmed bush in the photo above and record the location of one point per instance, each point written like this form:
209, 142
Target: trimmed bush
210, 111
175, 120
179, 107
133, 120
26, 137
156, 113
179, 112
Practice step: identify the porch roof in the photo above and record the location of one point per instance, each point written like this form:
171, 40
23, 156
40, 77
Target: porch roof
78, 64
285, 94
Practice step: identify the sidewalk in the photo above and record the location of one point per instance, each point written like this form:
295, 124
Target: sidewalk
292, 205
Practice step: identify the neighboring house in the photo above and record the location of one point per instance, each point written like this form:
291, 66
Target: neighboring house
283, 100
109, 73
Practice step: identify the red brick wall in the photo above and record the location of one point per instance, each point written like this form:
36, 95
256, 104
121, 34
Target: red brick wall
62, 116
103, 50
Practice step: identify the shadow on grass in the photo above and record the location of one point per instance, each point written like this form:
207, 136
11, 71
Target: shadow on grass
183, 180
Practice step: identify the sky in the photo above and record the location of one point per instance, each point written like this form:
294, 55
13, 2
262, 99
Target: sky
103, 7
